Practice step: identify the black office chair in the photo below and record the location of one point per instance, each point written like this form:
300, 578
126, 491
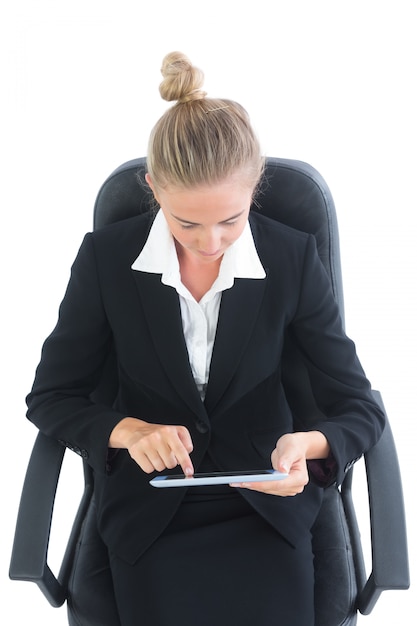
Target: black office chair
294, 193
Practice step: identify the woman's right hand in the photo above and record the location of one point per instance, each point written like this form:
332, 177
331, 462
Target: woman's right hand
154, 447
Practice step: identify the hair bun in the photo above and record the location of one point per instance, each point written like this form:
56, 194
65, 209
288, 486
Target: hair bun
182, 81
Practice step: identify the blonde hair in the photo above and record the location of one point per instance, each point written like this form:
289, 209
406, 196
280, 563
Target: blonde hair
199, 140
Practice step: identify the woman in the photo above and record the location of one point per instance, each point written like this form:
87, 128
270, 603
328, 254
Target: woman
196, 305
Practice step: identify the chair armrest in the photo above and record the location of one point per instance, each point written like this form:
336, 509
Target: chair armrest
29, 560
390, 568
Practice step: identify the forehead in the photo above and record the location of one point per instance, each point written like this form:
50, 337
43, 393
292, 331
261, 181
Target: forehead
217, 202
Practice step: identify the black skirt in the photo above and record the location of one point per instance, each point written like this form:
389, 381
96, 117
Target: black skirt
219, 563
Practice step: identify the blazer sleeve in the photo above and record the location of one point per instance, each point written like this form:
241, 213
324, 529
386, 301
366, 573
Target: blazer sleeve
353, 421
71, 365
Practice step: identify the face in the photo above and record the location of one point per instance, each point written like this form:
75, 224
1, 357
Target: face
205, 220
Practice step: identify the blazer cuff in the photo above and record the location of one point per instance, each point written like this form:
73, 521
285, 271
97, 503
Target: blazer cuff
111, 455
323, 472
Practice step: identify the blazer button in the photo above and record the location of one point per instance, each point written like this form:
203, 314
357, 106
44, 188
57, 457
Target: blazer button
202, 427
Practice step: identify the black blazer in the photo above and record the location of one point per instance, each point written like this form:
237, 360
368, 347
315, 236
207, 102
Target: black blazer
108, 305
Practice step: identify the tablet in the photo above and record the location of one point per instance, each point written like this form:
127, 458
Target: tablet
216, 478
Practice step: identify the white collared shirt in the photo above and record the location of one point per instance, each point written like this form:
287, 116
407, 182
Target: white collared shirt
199, 319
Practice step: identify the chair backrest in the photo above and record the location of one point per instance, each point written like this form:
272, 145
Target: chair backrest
291, 192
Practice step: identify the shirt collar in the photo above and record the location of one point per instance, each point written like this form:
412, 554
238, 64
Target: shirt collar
159, 256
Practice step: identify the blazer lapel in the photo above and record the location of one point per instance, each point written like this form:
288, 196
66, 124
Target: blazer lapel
238, 312
163, 315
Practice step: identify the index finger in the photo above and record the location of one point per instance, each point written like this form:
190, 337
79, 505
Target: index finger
181, 450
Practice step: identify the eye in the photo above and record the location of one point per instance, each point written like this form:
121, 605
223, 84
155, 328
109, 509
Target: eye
187, 226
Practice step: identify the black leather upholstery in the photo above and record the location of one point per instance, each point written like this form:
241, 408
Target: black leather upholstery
90, 599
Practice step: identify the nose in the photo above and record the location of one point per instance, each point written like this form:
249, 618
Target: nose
210, 241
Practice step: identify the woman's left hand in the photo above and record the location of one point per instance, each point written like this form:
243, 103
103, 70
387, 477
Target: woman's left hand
290, 456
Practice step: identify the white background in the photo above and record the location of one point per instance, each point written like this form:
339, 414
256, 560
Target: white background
328, 82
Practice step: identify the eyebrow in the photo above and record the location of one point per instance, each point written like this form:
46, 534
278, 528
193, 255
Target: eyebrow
229, 219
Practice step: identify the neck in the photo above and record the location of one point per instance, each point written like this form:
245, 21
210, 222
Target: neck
196, 276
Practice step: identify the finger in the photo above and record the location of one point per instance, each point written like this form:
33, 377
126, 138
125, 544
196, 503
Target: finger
168, 455
147, 464
281, 463
153, 454
164, 448
185, 438
267, 486
283, 488
181, 447
183, 460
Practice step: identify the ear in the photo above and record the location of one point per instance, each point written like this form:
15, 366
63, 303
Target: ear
151, 185
149, 181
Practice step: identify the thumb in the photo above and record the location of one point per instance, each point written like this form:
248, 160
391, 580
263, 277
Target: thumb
284, 466
281, 462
